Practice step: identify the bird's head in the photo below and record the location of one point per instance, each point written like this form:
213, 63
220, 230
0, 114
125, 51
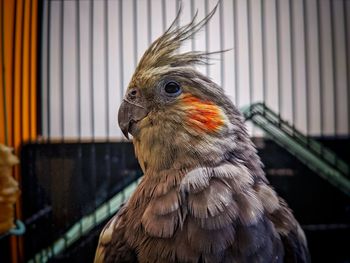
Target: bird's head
172, 110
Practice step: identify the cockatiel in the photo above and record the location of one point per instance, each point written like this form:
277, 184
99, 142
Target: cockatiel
204, 196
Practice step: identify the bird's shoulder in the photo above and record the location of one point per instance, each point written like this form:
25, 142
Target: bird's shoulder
241, 208
112, 246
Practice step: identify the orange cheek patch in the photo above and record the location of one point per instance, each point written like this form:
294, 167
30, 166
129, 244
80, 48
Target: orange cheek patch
202, 115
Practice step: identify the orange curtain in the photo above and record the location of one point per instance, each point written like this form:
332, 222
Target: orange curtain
18, 56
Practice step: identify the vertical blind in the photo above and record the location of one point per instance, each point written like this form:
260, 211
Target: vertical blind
291, 54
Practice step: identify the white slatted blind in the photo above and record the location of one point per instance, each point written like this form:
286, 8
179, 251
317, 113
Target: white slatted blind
291, 54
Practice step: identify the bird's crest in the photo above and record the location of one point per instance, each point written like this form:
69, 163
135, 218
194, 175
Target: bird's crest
162, 51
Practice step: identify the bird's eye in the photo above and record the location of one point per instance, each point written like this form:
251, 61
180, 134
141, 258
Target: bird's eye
172, 88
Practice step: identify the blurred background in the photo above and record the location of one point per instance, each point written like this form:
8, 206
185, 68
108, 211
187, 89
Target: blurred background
65, 66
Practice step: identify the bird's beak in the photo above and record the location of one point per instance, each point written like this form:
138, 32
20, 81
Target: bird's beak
129, 114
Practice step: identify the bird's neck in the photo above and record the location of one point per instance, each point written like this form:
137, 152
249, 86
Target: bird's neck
156, 156
165, 143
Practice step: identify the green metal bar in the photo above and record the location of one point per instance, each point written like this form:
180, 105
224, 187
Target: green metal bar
19, 230
85, 224
312, 153
305, 156
328, 155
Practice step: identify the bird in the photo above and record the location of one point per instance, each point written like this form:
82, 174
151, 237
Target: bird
203, 196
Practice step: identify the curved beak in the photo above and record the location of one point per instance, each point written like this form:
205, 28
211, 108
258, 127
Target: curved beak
129, 114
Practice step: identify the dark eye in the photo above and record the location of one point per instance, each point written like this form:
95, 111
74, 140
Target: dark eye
172, 88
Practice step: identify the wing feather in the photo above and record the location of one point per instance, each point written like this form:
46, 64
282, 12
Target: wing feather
112, 246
